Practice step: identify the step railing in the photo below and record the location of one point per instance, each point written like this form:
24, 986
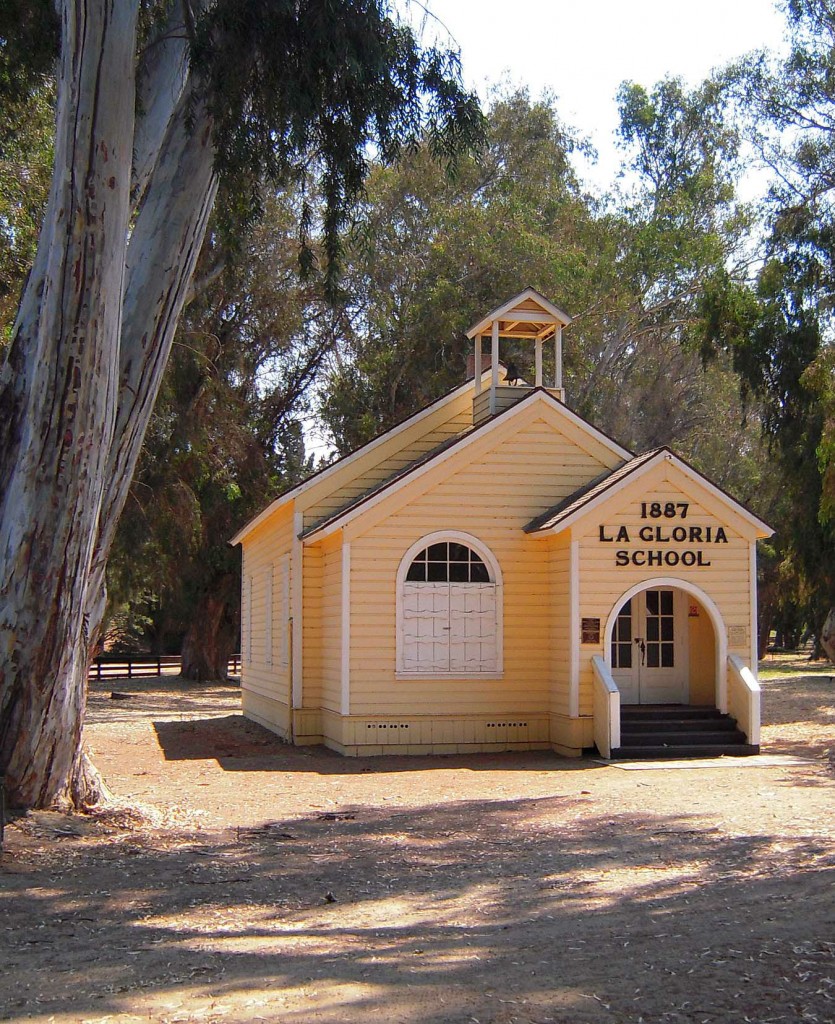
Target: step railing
606, 708
744, 699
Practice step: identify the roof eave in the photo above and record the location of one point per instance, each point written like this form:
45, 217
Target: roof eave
761, 528
339, 519
346, 460
559, 315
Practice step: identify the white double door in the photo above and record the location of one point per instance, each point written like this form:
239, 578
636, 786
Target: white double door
649, 650
449, 627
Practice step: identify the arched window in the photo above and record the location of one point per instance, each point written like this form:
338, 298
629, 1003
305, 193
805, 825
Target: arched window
449, 608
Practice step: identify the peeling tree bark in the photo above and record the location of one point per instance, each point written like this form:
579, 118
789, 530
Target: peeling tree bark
92, 338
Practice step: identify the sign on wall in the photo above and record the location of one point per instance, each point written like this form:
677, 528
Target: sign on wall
590, 631
666, 538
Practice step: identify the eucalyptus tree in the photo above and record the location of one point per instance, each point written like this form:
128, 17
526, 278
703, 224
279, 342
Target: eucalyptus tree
786, 358
155, 100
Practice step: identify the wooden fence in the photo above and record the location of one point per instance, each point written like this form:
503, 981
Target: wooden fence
139, 666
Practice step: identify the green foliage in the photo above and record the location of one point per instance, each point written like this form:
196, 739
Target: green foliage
785, 358
26, 130
301, 87
29, 34
429, 254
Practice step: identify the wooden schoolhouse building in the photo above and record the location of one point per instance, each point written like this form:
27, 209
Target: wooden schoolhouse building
495, 573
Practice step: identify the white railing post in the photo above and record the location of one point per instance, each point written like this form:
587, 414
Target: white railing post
744, 698
606, 708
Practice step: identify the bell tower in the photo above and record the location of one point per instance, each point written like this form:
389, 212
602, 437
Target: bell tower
529, 316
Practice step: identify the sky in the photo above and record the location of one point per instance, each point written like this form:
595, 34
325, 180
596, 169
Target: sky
581, 50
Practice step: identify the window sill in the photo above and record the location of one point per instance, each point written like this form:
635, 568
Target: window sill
450, 675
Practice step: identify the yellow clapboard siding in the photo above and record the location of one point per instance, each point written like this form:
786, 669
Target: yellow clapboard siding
266, 555
331, 618
498, 523
312, 627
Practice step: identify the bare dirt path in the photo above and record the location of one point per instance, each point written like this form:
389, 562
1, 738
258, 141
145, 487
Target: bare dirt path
268, 883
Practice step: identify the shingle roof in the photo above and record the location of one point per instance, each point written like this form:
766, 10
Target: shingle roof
588, 492
452, 442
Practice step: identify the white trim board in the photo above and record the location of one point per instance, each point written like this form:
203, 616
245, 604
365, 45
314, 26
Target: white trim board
529, 293
345, 653
665, 455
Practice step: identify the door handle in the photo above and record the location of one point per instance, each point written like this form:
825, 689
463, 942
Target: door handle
639, 640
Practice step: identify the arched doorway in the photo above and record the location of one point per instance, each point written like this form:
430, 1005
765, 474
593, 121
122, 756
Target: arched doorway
665, 644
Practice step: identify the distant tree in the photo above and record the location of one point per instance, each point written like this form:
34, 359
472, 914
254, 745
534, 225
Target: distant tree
154, 101
786, 358
430, 256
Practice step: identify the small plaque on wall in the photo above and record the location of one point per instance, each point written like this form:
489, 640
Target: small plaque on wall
737, 636
590, 631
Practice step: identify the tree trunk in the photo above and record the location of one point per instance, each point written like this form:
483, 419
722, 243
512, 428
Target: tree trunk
827, 635
58, 407
210, 640
92, 338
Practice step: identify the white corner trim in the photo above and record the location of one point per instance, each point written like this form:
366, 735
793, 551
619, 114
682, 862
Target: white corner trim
574, 630
345, 702
752, 569
296, 605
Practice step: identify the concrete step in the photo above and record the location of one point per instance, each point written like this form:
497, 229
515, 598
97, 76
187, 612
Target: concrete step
661, 712
676, 753
671, 731
694, 737
677, 725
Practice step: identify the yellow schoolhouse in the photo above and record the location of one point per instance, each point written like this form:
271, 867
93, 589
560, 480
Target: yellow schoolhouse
495, 573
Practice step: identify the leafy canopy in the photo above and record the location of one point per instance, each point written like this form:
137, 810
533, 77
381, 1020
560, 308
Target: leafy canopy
302, 87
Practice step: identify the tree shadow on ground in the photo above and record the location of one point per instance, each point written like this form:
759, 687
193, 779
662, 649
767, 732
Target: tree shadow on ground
238, 744
521, 911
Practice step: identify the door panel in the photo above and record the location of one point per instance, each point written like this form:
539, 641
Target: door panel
653, 668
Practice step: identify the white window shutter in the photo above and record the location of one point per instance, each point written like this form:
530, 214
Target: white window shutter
425, 627
473, 639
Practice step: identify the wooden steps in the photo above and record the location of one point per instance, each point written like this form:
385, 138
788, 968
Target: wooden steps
674, 731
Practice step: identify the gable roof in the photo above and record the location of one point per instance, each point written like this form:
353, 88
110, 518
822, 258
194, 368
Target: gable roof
586, 498
523, 302
355, 455
378, 492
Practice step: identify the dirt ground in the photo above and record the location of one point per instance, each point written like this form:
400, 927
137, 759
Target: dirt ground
266, 883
